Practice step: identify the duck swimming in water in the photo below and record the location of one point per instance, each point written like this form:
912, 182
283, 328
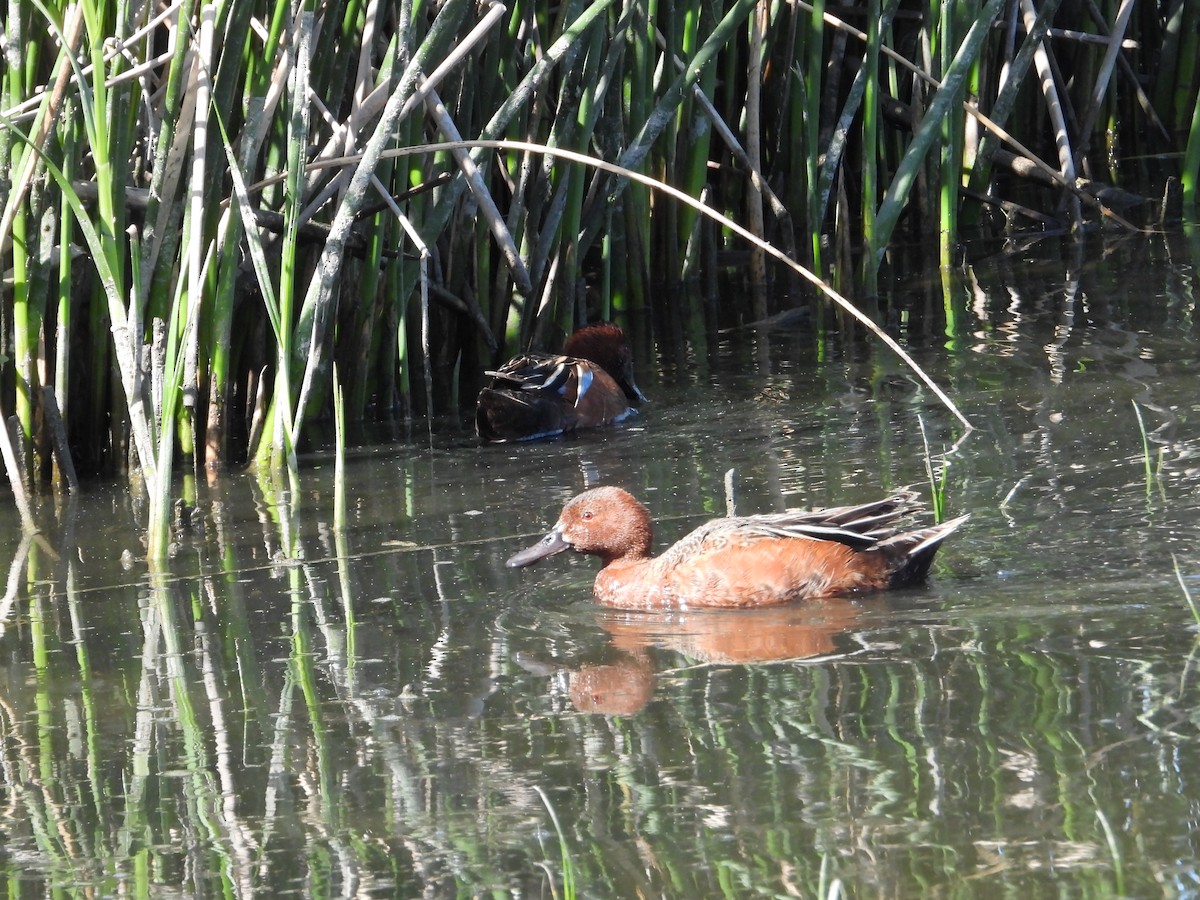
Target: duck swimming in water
538, 395
744, 561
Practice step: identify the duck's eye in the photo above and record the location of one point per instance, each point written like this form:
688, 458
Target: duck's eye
587, 513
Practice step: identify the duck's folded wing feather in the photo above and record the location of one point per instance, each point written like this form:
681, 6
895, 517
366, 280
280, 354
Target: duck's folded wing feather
859, 527
565, 376
864, 516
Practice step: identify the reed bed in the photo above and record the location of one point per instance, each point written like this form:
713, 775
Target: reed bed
207, 206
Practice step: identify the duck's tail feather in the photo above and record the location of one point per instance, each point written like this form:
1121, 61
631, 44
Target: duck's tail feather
507, 415
914, 551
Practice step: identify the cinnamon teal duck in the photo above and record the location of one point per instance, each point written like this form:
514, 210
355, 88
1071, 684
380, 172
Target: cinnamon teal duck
745, 561
540, 395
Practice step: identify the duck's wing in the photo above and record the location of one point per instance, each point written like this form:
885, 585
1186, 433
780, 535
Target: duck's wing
536, 396
860, 527
863, 518
563, 376
533, 372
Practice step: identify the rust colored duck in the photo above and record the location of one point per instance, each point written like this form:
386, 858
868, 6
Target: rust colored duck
745, 561
538, 395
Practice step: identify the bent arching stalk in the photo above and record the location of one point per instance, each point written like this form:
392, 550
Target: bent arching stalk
834, 296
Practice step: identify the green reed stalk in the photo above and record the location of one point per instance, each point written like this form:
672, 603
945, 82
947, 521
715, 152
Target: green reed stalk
1005, 102
1187, 77
697, 135
278, 445
24, 341
633, 241
1153, 472
834, 153
950, 162
400, 288
1167, 62
108, 249
171, 413
870, 139
275, 310
237, 75
936, 48
165, 210
314, 329
369, 317
194, 219
812, 124
938, 479
555, 280
1137, 411
403, 278
633, 158
11, 95
373, 318
752, 200
15, 159
1190, 171
664, 157
521, 97
221, 318
64, 315
582, 126
797, 180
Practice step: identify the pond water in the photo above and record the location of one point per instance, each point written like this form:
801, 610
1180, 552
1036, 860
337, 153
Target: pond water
389, 711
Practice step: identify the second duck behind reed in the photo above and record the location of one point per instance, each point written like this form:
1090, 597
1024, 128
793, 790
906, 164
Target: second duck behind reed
539, 395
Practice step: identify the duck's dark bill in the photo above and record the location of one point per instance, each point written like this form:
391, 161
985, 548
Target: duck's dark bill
547, 546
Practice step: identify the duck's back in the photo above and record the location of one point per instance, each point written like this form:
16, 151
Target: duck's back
539, 395
739, 568
770, 560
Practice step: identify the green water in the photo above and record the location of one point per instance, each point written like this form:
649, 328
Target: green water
391, 712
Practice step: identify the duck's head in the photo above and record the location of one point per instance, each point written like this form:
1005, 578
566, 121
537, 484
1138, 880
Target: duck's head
606, 522
605, 344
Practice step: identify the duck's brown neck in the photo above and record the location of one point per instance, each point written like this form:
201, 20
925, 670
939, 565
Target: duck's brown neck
639, 542
636, 554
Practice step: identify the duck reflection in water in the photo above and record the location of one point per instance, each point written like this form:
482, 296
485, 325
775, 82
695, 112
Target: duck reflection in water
625, 683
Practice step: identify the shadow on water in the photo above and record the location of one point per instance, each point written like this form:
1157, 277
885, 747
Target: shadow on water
390, 712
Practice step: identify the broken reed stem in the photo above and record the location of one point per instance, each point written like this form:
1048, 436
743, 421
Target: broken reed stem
58, 436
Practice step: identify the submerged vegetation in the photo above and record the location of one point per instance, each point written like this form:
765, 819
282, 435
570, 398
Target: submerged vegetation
205, 206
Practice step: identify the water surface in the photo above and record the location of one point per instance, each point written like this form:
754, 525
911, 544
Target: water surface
391, 712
